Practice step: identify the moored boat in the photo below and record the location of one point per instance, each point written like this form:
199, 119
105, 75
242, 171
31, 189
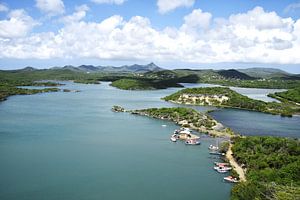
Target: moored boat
231, 179
221, 164
222, 168
174, 138
213, 148
217, 153
194, 141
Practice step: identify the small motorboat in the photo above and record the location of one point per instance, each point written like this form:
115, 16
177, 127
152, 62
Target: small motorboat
231, 179
213, 148
194, 141
174, 138
164, 125
221, 164
216, 153
222, 168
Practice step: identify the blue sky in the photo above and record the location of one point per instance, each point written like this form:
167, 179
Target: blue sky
175, 34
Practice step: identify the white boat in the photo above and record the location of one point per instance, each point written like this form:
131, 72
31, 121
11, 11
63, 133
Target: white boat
173, 138
216, 153
195, 141
231, 179
164, 125
213, 148
221, 164
222, 169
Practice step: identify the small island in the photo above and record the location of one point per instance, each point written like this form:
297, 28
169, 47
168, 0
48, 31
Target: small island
225, 97
86, 81
143, 84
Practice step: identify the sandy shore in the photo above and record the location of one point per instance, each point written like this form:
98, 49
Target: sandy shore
235, 165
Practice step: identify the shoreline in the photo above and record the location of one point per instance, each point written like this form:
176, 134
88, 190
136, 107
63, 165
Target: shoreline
184, 123
239, 170
232, 107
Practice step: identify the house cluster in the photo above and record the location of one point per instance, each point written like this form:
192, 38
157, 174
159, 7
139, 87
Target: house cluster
204, 99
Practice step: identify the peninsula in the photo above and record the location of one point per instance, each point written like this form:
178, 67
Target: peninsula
225, 97
185, 117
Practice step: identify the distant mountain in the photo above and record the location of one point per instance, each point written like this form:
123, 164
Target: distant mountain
28, 69
151, 67
88, 68
234, 74
265, 72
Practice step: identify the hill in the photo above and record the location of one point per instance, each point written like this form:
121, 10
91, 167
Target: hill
234, 74
225, 97
258, 72
151, 67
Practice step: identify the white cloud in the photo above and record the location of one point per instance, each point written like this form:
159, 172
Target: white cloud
3, 8
243, 37
79, 14
292, 7
51, 7
117, 2
18, 24
196, 21
165, 6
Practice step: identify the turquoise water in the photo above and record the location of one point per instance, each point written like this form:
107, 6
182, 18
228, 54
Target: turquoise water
71, 146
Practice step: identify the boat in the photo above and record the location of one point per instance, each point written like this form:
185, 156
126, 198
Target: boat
164, 125
217, 153
174, 138
222, 168
231, 179
221, 164
194, 141
213, 148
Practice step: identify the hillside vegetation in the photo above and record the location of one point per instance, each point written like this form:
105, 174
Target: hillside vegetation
292, 95
273, 168
225, 97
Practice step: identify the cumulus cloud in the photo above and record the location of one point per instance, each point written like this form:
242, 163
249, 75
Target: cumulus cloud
51, 7
79, 14
117, 2
165, 6
243, 37
196, 21
3, 8
18, 24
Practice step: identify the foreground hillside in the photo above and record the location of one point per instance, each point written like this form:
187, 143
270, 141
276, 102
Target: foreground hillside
225, 97
273, 168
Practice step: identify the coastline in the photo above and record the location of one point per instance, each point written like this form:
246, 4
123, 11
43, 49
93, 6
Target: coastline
239, 170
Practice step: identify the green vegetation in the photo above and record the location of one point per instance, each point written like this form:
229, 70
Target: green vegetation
132, 84
143, 84
225, 97
185, 116
273, 168
237, 79
87, 81
6, 90
292, 95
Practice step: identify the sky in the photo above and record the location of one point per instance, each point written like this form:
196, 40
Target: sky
171, 33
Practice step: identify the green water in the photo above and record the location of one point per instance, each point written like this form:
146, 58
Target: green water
71, 146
